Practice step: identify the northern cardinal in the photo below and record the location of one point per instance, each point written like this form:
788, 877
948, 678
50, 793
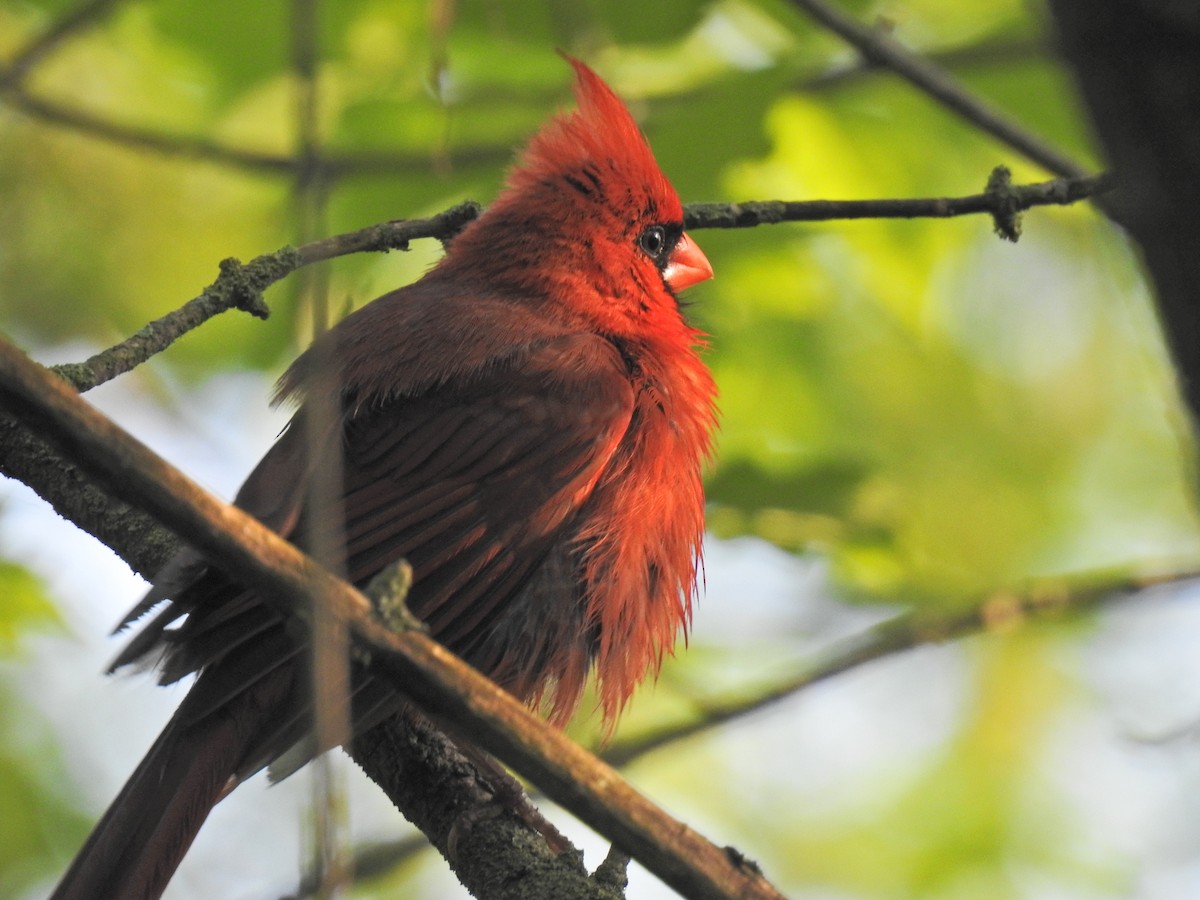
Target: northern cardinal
526, 425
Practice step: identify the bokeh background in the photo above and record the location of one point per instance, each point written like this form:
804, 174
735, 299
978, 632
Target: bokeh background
918, 420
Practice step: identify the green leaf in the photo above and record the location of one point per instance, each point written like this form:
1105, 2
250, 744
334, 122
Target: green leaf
25, 607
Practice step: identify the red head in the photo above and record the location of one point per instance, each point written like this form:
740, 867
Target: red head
587, 211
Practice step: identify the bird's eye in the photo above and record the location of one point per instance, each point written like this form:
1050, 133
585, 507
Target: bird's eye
653, 240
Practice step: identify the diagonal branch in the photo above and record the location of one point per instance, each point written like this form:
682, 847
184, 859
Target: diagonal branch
881, 50
420, 667
893, 636
19, 67
907, 631
421, 772
1000, 52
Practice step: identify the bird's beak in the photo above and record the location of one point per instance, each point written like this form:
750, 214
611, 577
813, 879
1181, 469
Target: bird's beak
687, 266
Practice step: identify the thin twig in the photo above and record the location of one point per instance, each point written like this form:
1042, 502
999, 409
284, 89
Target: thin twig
79, 120
1058, 191
1068, 595
899, 634
48, 41
330, 168
334, 167
880, 49
1001, 52
240, 286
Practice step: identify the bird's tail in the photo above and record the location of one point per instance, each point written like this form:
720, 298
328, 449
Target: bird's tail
135, 848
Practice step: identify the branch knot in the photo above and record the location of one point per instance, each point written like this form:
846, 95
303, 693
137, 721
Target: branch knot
1006, 203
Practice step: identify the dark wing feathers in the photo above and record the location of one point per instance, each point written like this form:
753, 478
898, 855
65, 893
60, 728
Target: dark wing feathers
475, 482
189, 651
241, 668
273, 494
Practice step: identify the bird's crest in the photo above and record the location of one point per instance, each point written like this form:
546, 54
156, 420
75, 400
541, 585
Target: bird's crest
596, 146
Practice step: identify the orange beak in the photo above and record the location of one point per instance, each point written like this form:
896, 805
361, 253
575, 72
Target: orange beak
687, 266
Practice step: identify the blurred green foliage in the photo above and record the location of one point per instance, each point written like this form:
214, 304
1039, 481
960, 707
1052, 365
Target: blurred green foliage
941, 415
38, 813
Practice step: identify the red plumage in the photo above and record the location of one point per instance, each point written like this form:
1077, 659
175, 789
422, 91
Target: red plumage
526, 425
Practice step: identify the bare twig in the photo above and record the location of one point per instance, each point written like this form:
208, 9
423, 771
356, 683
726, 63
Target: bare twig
333, 167
1074, 594
75, 119
87, 13
1070, 595
999, 52
330, 167
419, 667
880, 49
240, 286
997, 203
237, 287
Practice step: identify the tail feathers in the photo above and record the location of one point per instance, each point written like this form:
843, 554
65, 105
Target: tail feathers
139, 842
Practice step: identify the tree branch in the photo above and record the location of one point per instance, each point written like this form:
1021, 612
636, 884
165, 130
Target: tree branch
420, 667
414, 773
999, 612
881, 50
332, 168
904, 632
47, 42
1002, 200
999, 52
240, 286
1138, 65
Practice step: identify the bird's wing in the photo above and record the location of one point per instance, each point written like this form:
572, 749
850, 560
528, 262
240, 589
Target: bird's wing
473, 482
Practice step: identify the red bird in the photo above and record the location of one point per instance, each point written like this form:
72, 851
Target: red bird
526, 425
